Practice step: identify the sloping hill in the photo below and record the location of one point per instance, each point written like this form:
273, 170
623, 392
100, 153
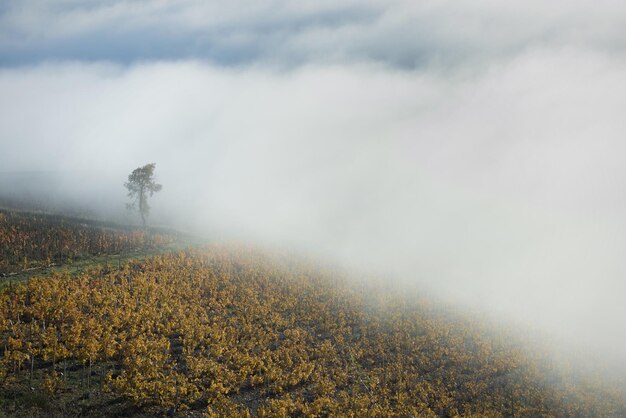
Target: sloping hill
238, 332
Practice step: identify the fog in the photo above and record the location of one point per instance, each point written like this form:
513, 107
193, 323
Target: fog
487, 169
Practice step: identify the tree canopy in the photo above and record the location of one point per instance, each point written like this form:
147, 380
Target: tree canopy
141, 184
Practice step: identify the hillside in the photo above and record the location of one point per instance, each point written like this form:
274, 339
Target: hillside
238, 332
31, 241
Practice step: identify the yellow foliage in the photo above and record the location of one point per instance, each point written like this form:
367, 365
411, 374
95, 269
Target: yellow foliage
245, 334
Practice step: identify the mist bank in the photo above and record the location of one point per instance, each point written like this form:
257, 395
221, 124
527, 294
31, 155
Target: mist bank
76, 193
498, 187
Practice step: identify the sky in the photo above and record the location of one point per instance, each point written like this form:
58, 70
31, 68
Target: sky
474, 148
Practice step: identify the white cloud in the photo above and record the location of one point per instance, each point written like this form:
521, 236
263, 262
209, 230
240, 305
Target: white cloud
281, 33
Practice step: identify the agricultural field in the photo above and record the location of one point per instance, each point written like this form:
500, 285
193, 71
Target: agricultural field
31, 241
236, 331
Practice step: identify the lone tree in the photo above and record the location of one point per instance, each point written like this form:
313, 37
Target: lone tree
141, 184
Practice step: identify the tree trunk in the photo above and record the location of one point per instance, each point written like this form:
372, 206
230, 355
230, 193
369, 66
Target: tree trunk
141, 206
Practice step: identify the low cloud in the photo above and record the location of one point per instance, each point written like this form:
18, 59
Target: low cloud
500, 188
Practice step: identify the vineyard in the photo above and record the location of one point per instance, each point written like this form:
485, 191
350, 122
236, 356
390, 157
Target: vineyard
30, 240
236, 332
